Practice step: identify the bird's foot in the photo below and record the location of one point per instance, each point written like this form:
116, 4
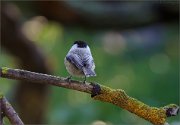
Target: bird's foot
84, 80
96, 89
68, 79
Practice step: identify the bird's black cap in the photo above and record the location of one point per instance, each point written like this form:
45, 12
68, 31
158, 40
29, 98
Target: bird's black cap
81, 44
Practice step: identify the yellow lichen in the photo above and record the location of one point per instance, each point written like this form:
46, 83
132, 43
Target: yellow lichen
120, 98
4, 70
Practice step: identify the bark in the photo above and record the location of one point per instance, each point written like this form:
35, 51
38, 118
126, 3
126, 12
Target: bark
8, 111
117, 97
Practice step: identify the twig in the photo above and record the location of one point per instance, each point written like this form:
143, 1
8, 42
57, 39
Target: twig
45, 79
117, 97
9, 112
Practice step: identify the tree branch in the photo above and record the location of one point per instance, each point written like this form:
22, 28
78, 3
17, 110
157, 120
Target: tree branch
8, 111
44, 79
117, 97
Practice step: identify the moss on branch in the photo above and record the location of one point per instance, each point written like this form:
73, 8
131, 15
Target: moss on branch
5, 70
117, 97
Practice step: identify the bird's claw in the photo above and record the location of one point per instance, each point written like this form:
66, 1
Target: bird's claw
68, 78
84, 80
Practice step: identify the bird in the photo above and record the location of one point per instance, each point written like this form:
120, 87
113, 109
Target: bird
79, 61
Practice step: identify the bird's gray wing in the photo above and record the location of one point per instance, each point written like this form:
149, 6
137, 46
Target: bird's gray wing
88, 66
75, 59
88, 61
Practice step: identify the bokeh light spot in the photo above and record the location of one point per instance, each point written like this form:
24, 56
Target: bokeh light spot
114, 43
98, 122
33, 27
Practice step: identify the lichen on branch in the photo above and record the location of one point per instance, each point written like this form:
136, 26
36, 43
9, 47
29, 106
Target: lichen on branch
120, 98
117, 97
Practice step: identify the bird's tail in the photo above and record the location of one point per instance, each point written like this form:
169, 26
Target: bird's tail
89, 72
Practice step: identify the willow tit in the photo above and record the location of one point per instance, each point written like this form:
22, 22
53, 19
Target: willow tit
79, 61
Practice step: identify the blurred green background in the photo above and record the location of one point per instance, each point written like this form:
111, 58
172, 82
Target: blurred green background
137, 51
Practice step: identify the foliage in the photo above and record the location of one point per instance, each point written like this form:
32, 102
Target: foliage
142, 61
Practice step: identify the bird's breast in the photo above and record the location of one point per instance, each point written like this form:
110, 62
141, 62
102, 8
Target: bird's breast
72, 69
